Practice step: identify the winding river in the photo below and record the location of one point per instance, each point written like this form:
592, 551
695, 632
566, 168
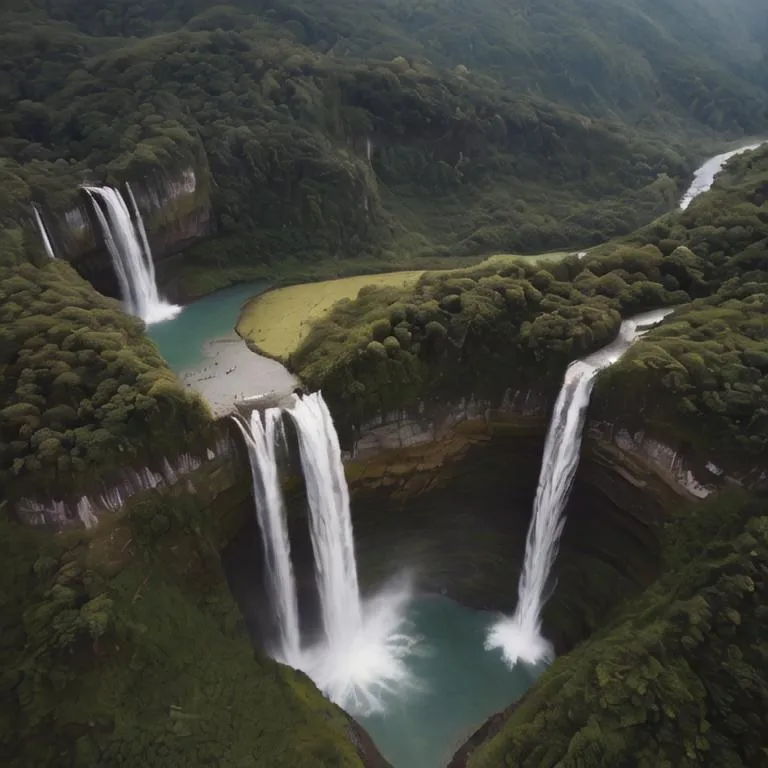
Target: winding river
705, 175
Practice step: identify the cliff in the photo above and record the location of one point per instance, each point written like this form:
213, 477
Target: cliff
123, 646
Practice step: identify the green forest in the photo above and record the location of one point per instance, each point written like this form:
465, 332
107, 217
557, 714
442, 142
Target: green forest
122, 647
83, 390
381, 130
323, 136
329, 136
702, 374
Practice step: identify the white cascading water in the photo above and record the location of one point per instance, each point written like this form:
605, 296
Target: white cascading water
262, 442
704, 177
519, 637
361, 656
330, 519
126, 241
43, 233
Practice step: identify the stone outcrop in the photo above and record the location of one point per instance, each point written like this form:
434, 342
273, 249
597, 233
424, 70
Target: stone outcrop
679, 464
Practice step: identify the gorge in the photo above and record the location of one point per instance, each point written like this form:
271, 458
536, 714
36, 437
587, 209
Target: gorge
434, 498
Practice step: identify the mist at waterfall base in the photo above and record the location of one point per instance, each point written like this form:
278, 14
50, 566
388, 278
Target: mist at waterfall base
519, 638
412, 669
361, 656
126, 240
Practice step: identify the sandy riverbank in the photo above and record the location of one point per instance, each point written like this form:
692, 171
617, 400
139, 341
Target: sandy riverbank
231, 373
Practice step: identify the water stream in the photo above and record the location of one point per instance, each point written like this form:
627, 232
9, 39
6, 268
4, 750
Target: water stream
519, 638
705, 175
262, 442
43, 232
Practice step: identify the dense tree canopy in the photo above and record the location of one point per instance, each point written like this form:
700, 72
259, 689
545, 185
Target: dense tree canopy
122, 647
514, 323
378, 129
82, 388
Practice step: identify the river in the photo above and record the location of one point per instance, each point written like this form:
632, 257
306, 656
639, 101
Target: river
705, 175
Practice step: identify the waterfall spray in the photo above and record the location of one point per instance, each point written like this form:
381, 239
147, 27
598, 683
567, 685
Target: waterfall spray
519, 637
362, 655
126, 241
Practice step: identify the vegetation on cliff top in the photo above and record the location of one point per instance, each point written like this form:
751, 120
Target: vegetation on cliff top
298, 306
679, 679
477, 331
502, 324
82, 388
123, 647
707, 369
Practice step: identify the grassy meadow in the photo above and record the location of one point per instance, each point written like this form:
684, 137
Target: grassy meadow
278, 321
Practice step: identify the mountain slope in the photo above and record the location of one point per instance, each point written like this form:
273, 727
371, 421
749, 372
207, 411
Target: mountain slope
691, 61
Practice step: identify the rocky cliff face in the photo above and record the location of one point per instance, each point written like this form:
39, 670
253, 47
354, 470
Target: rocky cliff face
678, 463
455, 512
176, 209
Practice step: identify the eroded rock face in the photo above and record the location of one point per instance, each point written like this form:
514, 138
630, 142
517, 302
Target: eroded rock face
175, 206
455, 513
677, 463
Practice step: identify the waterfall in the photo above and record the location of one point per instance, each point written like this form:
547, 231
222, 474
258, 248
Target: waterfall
330, 518
360, 656
519, 637
126, 241
262, 443
43, 232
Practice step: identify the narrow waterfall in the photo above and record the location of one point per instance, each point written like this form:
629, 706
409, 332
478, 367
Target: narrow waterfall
262, 442
126, 241
519, 637
43, 232
362, 655
330, 518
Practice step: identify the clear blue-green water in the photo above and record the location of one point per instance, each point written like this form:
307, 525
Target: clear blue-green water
181, 339
459, 685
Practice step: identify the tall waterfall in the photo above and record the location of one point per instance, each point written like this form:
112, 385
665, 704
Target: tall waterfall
330, 518
262, 443
361, 654
126, 241
519, 637
43, 232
